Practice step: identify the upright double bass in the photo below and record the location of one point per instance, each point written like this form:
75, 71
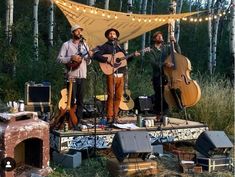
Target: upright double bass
181, 91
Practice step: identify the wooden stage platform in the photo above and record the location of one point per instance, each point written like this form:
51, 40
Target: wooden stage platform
175, 130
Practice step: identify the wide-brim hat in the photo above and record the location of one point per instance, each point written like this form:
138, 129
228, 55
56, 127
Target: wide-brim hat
109, 30
74, 27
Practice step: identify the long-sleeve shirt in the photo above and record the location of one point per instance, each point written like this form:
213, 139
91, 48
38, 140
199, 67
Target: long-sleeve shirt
67, 50
156, 57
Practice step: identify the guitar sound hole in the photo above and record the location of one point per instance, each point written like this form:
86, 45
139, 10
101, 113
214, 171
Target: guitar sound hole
118, 60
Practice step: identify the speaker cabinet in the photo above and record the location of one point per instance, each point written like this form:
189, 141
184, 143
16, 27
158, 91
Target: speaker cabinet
131, 144
144, 103
210, 143
37, 94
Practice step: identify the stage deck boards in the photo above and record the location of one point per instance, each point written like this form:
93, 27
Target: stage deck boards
176, 130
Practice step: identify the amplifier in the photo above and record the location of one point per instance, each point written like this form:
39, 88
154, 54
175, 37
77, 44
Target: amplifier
144, 103
37, 94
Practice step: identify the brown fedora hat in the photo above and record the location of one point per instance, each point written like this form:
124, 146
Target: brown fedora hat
109, 30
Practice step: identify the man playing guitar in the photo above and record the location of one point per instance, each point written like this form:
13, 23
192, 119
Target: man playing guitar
115, 80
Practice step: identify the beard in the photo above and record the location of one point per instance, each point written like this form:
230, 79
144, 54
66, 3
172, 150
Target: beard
159, 41
76, 37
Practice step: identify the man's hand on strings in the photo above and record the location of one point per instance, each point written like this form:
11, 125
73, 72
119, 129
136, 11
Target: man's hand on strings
76, 58
168, 64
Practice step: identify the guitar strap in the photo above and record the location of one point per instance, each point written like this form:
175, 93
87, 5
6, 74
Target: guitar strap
79, 49
122, 50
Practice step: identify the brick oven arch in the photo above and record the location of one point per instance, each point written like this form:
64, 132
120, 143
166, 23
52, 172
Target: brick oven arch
29, 152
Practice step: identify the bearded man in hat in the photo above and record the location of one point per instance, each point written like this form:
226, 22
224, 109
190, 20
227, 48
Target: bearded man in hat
75, 55
156, 57
115, 81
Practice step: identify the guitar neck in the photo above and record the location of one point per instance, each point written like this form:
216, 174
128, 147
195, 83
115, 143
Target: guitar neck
133, 54
70, 94
172, 54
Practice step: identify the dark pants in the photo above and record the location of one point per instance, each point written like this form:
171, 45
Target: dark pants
158, 99
77, 97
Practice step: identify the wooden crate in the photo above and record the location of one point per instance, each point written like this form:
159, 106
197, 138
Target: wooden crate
187, 161
132, 167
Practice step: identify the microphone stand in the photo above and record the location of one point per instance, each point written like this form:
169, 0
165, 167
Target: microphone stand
95, 106
112, 61
161, 84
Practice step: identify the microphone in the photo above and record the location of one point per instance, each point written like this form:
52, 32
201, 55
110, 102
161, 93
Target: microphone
81, 38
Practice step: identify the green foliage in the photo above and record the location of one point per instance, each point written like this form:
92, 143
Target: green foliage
90, 167
216, 106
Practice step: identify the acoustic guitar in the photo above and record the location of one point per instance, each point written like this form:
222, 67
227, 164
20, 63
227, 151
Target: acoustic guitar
127, 102
117, 61
64, 107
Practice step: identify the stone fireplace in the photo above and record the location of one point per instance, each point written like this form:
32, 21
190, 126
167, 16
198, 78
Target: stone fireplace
25, 138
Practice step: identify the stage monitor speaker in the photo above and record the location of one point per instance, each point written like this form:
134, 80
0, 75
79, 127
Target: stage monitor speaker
210, 143
131, 144
144, 103
37, 94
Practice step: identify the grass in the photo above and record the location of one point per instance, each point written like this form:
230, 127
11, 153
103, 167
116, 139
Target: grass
92, 167
216, 106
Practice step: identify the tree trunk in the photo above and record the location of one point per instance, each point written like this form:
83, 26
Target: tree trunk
91, 2
106, 5
190, 6
51, 23
35, 30
210, 38
171, 24
144, 35
120, 7
232, 30
177, 22
129, 10
140, 6
215, 35
149, 35
9, 20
